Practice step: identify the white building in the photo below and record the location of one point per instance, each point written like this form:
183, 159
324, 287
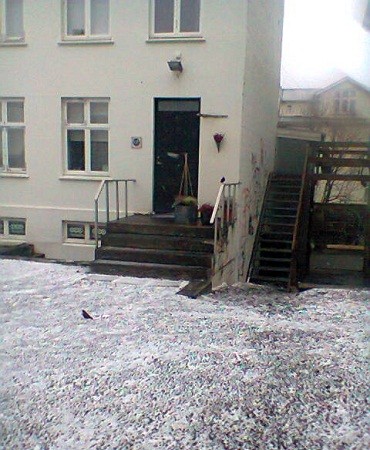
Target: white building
80, 79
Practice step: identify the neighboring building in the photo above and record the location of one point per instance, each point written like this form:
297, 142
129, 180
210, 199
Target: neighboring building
340, 112
87, 94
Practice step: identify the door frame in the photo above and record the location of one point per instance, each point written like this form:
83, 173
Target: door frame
156, 101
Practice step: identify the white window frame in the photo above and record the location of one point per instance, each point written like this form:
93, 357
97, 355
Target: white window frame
340, 98
4, 127
6, 234
86, 240
4, 38
87, 36
176, 33
87, 127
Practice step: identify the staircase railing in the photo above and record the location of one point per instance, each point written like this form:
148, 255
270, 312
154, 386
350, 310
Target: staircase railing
259, 228
301, 225
223, 217
105, 184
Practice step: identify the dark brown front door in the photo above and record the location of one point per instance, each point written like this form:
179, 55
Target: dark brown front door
176, 133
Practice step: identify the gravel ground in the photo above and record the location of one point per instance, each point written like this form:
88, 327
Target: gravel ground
244, 368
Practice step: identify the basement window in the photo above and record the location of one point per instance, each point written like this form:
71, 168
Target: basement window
12, 228
81, 232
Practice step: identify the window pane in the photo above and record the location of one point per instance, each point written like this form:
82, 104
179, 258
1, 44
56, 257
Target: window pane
15, 112
76, 149
17, 227
178, 105
189, 19
1, 226
101, 232
99, 16
99, 150
75, 231
76, 17
163, 16
98, 112
75, 112
16, 148
14, 18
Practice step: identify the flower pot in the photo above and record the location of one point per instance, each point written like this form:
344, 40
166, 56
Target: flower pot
205, 217
186, 214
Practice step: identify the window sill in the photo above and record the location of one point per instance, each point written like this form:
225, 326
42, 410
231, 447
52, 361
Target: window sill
13, 175
13, 44
79, 244
85, 177
156, 40
87, 41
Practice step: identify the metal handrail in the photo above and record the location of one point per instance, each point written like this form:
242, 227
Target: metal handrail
260, 223
297, 225
97, 196
222, 219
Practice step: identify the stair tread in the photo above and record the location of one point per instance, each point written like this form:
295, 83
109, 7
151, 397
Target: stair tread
281, 216
276, 250
142, 264
265, 278
267, 258
285, 241
280, 224
274, 269
153, 251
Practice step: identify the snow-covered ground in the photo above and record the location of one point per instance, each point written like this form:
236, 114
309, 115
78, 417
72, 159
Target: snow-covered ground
244, 368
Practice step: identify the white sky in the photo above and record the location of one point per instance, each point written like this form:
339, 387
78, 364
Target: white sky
324, 41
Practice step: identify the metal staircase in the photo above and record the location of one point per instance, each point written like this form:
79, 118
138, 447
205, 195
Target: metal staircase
272, 258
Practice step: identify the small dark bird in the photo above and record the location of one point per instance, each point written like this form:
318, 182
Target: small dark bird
86, 315
222, 180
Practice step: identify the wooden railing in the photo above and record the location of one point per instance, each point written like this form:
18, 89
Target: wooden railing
301, 226
105, 184
223, 217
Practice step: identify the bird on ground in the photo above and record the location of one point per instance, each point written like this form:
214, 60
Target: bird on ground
86, 315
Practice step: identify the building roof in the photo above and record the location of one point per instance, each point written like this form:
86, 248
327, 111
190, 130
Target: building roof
298, 95
343, 80
304, 95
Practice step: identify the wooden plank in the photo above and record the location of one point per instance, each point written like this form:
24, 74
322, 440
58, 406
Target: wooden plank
349, 151
342, 144
340, 162
340, 177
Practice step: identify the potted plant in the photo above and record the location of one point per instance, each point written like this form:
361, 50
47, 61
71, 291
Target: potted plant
186, 209
206, 211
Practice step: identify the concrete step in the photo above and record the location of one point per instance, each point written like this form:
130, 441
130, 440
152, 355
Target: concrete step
155, 256
161, 228
149, 270
132, 240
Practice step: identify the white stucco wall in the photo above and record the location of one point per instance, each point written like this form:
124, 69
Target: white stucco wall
132, 72
260, 116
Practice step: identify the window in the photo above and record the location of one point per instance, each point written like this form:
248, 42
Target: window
175, 18
86, 19
12, 228
86, 136
11, 21
81, 232
12, 154
345, 101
